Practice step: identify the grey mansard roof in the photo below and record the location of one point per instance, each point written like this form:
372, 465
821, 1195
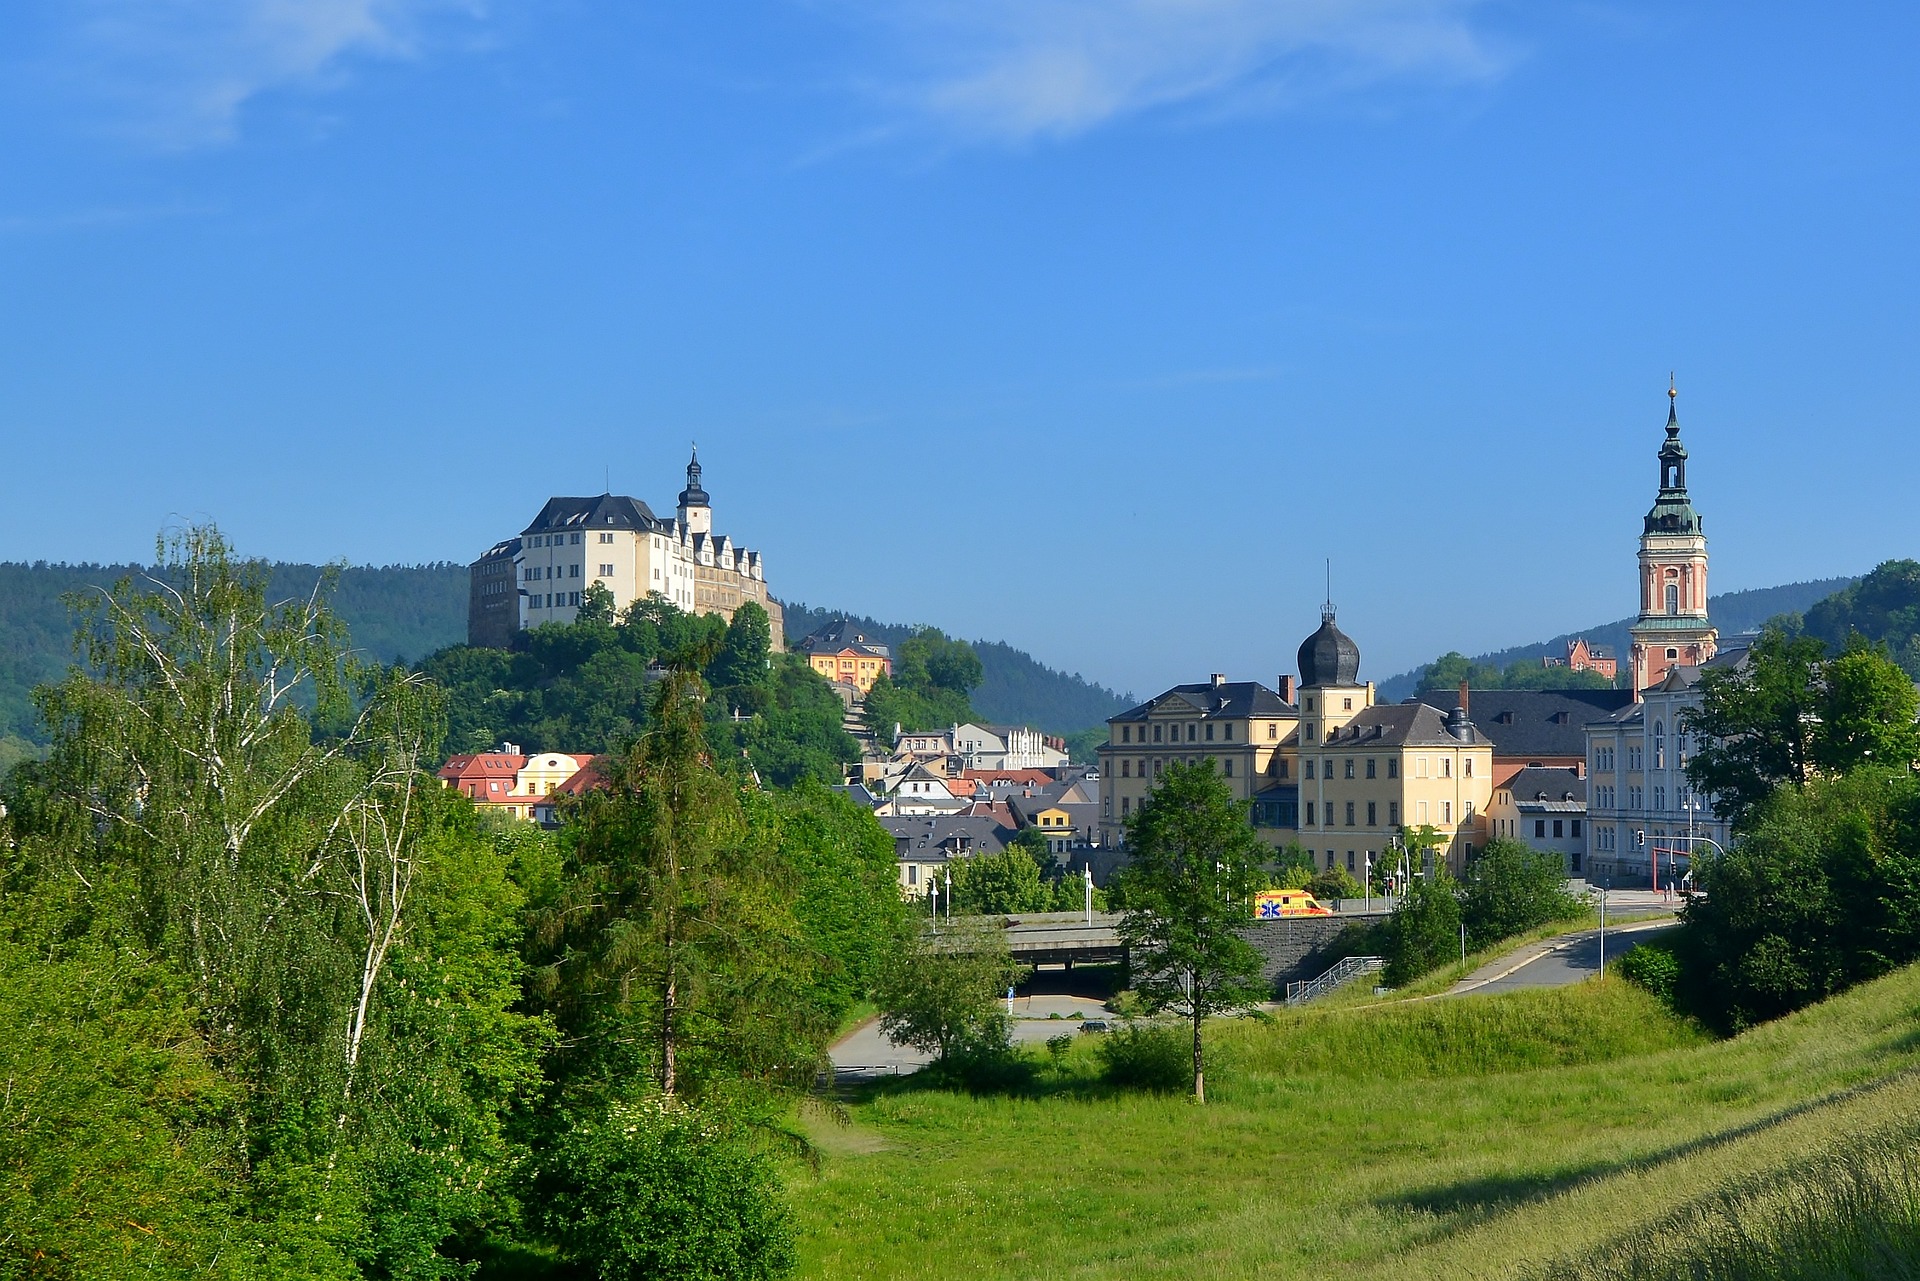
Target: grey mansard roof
605, 511
1548, 790
1396, 725
1232, 700
1533, 722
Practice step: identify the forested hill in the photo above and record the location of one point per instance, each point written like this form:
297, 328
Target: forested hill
1017, 689
406, 612
395, 612
1732, 613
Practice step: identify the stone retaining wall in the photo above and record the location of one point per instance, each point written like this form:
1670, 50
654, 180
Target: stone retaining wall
1300, 947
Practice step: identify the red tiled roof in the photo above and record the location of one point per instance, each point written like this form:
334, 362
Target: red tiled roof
584, 779
482, 765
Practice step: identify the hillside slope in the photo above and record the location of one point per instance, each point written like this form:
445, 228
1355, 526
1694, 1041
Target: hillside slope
1549, 1133
1732, 613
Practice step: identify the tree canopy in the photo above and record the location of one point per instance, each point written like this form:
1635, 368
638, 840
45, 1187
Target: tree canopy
1189, 894
1788, 712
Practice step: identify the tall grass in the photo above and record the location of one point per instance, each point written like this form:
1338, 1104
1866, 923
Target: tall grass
1851, 1211
1455, 1139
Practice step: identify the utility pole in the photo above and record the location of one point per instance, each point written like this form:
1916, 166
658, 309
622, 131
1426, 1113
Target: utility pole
1603, 931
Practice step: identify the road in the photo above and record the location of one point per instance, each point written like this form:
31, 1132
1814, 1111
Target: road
864, 1053
1557, 962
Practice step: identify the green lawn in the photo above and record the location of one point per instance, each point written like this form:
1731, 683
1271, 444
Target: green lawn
1465, 1138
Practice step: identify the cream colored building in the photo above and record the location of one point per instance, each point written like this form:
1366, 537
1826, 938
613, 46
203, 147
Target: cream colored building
1241, 725
1337, 773
618, 542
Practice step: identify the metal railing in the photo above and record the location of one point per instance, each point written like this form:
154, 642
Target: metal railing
1351, 968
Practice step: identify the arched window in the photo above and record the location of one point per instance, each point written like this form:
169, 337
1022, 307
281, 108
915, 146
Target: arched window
1659, 745
1673, 598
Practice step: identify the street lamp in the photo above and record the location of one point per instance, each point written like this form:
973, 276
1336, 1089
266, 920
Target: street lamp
933, 897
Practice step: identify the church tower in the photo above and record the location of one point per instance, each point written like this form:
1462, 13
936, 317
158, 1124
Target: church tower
1672, 630
696, 509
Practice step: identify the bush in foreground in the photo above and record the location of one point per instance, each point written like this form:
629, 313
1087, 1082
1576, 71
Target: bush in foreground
1143, 1056
656, 1190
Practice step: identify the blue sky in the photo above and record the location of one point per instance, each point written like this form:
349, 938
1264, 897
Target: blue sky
1095, 327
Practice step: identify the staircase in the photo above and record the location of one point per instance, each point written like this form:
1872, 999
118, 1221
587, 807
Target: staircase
1351, 968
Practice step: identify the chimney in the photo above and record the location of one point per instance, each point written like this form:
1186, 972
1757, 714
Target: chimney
1465, 706
1219, 679
1286, 689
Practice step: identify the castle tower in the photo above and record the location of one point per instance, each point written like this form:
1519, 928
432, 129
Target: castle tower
1672, 630
696, 509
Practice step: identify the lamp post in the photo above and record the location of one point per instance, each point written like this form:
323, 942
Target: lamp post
1088, 871
949, 875
933, 898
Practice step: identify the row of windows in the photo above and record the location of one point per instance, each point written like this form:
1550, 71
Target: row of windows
1126, 766
554, 600
1605, 794
559, 540
533, 573
1126, 733
1373, 813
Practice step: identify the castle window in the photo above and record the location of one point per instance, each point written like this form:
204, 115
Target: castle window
1346, 704
1306, 767
1229, 767
1393, 813
1373, 814
1192, 732
1446, 767
1273, 730
1156, 733
1393, 767
1229, 731
1209, 733
1372, 765
1348, 770
1309, 813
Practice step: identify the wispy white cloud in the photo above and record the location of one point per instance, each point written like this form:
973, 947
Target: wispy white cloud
1017, 70
181, 72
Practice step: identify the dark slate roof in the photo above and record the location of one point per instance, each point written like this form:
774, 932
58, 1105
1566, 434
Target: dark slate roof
1329, 656
1533, 722
837, 636
915, 837
1232, 699
1397, 725
606, 511
1547, 786
500, 551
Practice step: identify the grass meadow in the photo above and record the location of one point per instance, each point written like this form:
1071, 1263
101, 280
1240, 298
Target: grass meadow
1575, 1132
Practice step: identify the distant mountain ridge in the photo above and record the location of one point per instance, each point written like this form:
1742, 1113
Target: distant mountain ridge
1018, 688
395, 612
1732, 613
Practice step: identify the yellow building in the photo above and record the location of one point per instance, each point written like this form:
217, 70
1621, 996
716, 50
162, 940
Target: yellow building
845, 656
1341, 775
1240, 725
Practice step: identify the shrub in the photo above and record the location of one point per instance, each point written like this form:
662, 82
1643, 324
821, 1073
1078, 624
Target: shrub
1147, 1057
1512, 888
657, 1190
1424, 931
1653, 966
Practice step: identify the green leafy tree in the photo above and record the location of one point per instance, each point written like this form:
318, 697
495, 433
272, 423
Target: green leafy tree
655, 1191
596, 605
942, 993
743, 659
674, 942
1333, 884
1882, 609
1003, 882
1424, 931
1293, 867
1822, 890
293, 875
1196, 865
1788, 712
1511, 888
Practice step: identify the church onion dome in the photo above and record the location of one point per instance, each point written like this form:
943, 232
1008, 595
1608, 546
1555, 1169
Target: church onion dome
693, 495
1329, 656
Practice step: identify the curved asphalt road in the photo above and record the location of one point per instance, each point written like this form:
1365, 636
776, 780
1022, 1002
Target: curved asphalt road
1571, 958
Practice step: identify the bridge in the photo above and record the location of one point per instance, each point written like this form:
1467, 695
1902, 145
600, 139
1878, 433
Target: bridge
1064, 938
